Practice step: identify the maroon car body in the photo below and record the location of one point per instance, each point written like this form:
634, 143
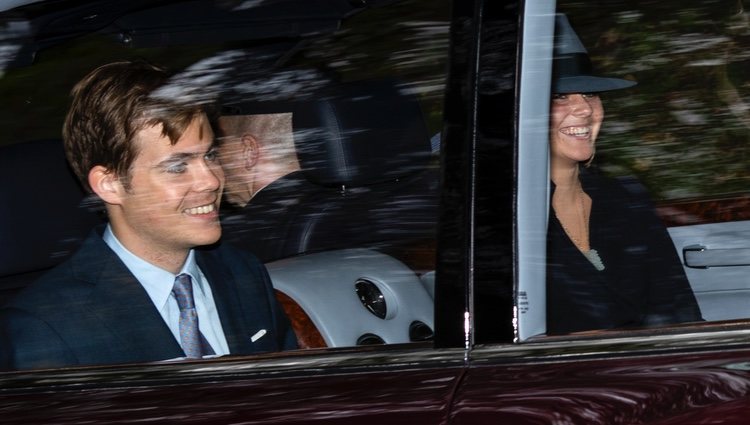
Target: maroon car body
585, 382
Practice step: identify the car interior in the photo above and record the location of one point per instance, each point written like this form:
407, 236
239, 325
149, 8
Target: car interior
45, 212
368, 179
369, 198
368, 175
349, 240
360, 223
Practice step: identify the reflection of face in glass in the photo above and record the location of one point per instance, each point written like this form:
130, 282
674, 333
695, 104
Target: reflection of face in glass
238, 155
575, 120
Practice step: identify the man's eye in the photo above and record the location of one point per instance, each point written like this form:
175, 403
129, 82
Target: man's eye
559, 96
177, 168
590, 95
211, 156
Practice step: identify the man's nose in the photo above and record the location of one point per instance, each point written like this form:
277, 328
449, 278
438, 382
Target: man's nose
209, 177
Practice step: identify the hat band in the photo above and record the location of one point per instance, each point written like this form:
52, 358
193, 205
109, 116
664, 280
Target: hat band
572, 64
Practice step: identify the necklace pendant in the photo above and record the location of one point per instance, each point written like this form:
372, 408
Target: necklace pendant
593, 256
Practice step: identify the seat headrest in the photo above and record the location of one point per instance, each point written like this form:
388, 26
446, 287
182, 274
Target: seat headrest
364, 133
41, 217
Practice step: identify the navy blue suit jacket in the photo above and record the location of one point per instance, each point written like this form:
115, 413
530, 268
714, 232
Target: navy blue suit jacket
90, 310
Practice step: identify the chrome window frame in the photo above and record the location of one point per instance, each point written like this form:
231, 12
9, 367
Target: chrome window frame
532, 191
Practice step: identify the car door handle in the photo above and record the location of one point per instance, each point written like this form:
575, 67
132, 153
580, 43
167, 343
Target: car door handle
700, 257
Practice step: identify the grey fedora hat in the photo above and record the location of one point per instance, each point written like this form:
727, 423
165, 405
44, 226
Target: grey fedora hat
571, 70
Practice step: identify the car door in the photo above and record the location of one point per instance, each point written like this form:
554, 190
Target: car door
714, 252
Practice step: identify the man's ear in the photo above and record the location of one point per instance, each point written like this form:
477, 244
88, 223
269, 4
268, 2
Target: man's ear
106, 184
250, 151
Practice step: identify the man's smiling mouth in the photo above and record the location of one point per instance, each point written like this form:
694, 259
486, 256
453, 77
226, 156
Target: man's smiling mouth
203, 209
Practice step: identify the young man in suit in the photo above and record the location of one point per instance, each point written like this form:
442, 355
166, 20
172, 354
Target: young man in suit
151, 285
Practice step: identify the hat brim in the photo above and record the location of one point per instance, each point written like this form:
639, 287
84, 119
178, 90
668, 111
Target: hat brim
589, 84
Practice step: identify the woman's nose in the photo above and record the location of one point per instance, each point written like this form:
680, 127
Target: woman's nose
580, 105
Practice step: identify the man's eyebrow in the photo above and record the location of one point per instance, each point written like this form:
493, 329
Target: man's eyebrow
183, 156
177, 157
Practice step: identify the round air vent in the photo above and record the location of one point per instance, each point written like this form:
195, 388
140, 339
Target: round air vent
371, 297
419, 331
370, 339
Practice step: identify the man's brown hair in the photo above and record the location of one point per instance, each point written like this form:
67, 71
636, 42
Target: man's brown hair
110, 106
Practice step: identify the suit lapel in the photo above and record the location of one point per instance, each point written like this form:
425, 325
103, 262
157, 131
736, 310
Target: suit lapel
122, 306
228, 304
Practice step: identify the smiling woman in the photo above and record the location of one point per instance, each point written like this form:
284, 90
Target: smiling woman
610, 262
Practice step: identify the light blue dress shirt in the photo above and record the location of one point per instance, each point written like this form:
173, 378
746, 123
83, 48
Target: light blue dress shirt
158, 284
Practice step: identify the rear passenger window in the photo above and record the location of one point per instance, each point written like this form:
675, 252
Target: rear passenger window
348, 113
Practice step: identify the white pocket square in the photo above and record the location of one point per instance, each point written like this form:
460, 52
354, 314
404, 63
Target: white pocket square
258, 335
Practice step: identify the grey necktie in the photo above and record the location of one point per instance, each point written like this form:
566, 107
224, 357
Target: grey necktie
191, 338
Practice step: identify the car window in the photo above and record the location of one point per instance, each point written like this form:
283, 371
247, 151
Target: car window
347, 235
663, 200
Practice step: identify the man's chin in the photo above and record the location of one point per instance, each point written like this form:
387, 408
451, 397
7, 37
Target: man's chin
205, 242
203, 236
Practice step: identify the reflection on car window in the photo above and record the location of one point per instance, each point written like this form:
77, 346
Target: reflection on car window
332, 183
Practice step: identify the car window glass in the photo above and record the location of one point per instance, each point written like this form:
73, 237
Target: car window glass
664, 197
347, 234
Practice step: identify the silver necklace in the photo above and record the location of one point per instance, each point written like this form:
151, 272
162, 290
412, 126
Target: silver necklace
591, 254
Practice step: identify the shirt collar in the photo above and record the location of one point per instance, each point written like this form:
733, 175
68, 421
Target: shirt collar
156, 281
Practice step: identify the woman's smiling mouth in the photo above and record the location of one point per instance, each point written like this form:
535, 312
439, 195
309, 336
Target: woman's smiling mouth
576, 131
